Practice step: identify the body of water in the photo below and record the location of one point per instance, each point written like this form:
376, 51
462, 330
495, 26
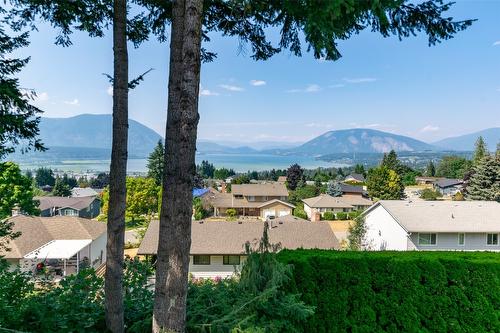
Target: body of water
237, 162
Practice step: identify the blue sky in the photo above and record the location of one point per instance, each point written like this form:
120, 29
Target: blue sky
403, 87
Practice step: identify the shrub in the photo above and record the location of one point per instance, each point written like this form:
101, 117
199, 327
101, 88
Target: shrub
352, 215
298, 212
397, 291
328, 216
429, 194
341, 216
231, 212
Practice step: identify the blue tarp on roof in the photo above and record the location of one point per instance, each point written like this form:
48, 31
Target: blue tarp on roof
198, 192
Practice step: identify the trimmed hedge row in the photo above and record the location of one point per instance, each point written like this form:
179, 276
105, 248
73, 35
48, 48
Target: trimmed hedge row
397, 291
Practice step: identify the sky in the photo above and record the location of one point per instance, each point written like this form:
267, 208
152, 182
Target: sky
403, 87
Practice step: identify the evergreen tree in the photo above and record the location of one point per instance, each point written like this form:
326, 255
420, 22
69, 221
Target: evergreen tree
360, 169
431, 169
497, 152
334, 189
480, 151
484, 184
156, 162
294, 175
44, 176
61, 189
18, 118
384, 184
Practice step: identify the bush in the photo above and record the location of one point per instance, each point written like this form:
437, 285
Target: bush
429, 194
352, 215
329, 216
397, 291
341, 216
231, 212
300, 213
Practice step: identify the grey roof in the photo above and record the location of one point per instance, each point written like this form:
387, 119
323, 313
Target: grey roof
351, 188
227, 200
443, 183
345, 201
356, 176
262, 189
230, 237
37, 231
60, 202
79, 192
444, 216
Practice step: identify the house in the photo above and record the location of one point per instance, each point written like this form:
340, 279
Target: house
218, 248
79, 192
262, 200
87, 207
282, 179
433, 225
352, 189
355, 178
448, 187
326, 203
62, 244
421, 180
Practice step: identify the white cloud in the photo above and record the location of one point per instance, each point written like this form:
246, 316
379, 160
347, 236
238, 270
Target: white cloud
360, 80
206, 92
74, 102
311, 88
230, 87
429, 128
496, 43
257, 83
110, 90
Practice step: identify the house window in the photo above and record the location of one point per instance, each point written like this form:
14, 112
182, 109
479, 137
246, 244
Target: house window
231, 260
461, 239
427, 239
251, 198
492, 239
201, 260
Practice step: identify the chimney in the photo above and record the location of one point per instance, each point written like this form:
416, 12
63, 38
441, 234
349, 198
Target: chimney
16, 210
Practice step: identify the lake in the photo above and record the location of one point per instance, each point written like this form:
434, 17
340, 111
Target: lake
237, 162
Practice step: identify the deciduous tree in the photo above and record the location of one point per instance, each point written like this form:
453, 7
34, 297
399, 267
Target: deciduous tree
294, 175
15, 190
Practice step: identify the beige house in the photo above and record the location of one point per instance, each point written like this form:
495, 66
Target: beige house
261, 200
326, 203
60, 244
218, 248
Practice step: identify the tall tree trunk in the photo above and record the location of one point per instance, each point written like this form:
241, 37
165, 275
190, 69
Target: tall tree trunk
118, 173
176, 211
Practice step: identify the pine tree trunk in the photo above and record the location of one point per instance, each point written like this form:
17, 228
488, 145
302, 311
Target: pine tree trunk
182, 121
118, 172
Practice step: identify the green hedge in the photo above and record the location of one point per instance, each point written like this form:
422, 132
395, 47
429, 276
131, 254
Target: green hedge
397, 291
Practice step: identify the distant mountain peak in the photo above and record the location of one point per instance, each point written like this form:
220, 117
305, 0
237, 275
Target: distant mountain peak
466, 142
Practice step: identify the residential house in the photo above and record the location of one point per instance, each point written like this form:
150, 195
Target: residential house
448, 187
262, 200
433, 225
326, 203
86, 207
422, 180
79, 192
355, 178
352, 190
62, 244
218, 248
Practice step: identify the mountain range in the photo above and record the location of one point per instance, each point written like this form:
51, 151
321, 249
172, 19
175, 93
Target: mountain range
94, 131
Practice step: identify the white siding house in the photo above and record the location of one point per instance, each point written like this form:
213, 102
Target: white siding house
433, 225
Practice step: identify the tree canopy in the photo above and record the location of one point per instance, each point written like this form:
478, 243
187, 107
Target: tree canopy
15, 190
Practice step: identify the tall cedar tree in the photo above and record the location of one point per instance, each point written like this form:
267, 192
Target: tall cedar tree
156, 162
480, 150
61, 189
323, 23
484, 183
430, 171
18, 118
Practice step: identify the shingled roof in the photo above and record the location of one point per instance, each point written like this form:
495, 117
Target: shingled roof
222, 238
262, 189
38, 231
345, 201
77, 203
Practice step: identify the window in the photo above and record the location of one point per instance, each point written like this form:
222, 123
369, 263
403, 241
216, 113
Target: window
427, 239
251, 198
201, 260
492, 239
461, 239
231, 260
